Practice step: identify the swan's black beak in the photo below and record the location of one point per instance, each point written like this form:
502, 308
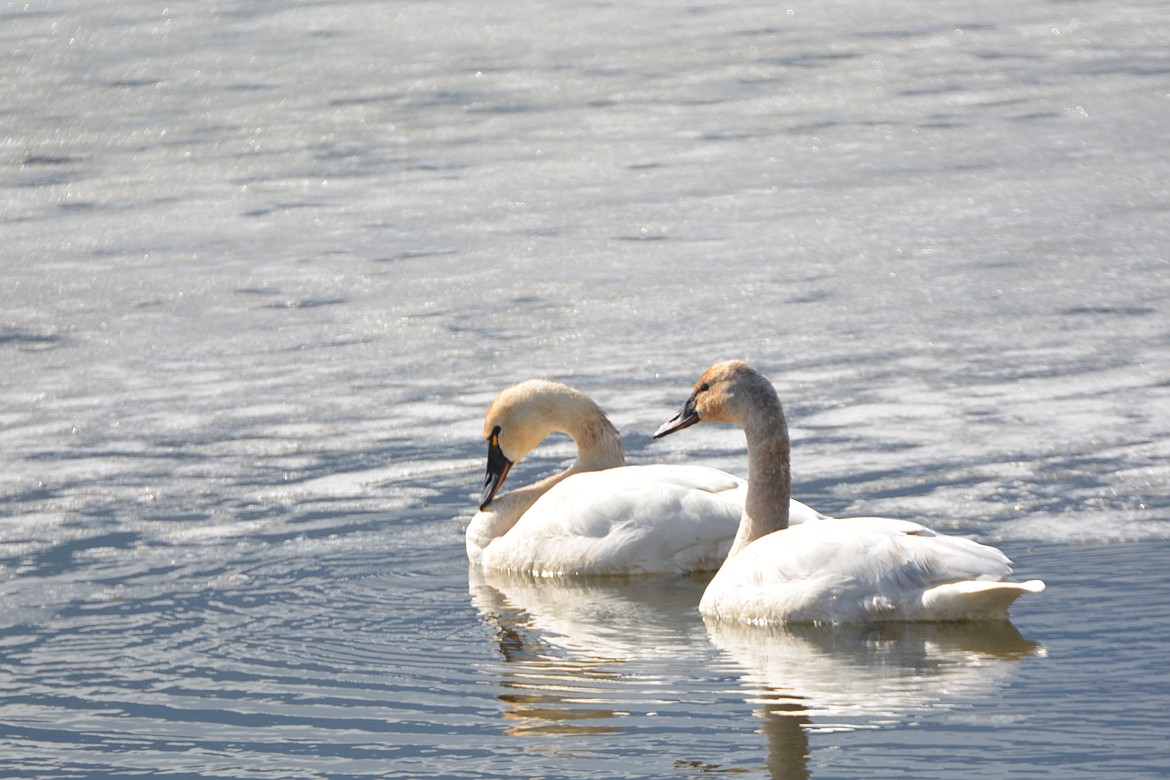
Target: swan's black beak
497, 469
686, 417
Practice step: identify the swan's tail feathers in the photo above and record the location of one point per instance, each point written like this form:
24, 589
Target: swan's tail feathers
975, 599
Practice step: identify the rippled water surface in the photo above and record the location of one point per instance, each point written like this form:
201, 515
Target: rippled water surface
263, 266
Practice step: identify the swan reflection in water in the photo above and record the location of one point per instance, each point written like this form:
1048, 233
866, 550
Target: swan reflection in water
806, 679
579, 656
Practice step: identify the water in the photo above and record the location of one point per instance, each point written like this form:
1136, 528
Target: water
263, 269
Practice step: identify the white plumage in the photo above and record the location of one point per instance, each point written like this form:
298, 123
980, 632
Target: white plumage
628, 520
860, 570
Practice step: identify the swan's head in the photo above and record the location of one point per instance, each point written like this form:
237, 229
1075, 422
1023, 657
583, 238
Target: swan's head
522, 415
724, 393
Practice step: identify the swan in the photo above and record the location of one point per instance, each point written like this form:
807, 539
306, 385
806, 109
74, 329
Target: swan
851, 570
598, 516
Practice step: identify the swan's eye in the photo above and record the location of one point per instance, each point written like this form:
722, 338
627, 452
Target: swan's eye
704, 387
494, 439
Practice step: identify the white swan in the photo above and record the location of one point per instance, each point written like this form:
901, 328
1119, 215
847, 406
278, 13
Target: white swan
839, 571
597, 516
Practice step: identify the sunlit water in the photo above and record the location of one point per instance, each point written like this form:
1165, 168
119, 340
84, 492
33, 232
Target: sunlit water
262, 270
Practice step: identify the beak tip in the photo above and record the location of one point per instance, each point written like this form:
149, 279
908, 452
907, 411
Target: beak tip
676, 423
497, 471
489, 493
686, 417
663, 429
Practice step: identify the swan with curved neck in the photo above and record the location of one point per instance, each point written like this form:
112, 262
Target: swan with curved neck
598, 516
852, 570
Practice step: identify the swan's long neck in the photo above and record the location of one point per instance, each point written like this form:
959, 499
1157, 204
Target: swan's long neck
599, 446
769, 474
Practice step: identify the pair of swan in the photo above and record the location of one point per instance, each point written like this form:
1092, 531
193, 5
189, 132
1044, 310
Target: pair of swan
778, 560
599, 516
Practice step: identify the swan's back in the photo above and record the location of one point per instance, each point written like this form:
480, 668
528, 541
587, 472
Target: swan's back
629, 520
659, 519
863, 570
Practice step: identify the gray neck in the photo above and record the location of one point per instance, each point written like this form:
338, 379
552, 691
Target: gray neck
769, 474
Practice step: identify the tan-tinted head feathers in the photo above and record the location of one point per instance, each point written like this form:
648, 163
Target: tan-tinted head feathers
726, 392
523, 414
720, 388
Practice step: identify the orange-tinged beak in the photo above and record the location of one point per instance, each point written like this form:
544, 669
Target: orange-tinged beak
497, 470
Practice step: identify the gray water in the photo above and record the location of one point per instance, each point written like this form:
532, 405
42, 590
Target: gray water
263, 266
